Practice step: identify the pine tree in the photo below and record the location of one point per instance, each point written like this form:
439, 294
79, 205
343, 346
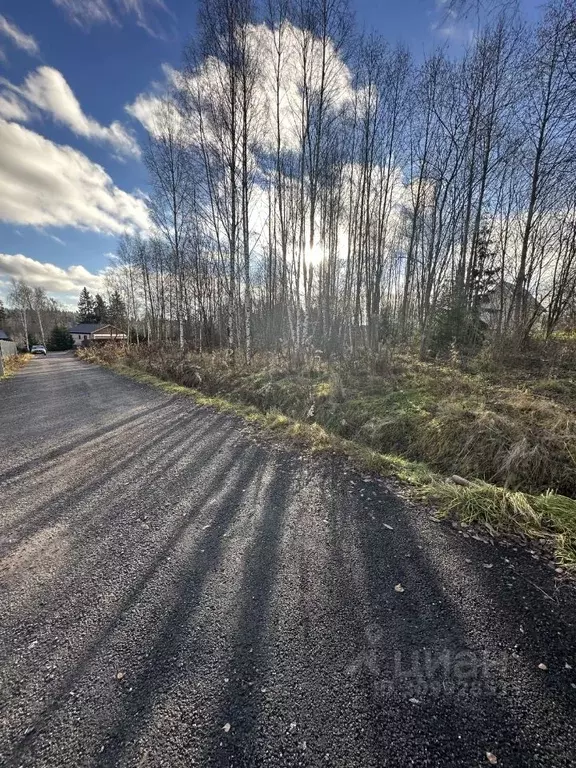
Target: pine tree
86, 308
100, 309
116, 310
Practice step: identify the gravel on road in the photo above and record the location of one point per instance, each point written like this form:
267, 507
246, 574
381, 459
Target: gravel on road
176, 590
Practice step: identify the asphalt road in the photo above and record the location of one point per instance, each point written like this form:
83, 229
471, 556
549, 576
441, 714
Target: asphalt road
178, 591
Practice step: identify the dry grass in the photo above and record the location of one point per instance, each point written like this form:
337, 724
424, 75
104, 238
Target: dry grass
456, 422
409, 419
517, 441
305, 432
13, 364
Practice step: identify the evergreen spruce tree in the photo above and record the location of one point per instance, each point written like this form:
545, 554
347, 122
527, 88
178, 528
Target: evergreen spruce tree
60, 339
100, 310
116, 310
458, 321
86, 308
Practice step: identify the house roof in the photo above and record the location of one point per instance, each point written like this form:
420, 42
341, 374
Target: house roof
85, 327
89, 328
4, 336
109, 329
508, 290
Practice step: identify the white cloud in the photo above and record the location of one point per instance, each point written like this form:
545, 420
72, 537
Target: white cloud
85, 13
145, 109
47, 184
47, 90
206, 84
55, 280
156, 112
149, 107
17, 37
12, 108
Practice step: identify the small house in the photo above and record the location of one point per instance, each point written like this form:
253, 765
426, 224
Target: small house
497, 305
84, 333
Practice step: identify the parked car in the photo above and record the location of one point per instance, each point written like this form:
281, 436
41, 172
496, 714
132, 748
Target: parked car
38, 349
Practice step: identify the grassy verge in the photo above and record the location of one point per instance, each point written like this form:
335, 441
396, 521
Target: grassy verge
547, 517
414, 421
314, 436
13, 364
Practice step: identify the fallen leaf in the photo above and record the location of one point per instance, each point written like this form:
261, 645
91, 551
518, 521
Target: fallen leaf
542, 666
226, 727
389, 527
567, 666
292, 726
120, 675
399, 588
491, 757
414, 701
487, 565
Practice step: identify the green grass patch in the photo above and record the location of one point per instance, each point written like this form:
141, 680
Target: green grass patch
549, 516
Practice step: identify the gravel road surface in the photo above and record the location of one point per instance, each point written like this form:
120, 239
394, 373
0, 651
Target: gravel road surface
176, 590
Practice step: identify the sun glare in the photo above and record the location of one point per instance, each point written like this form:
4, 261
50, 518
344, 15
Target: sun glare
314, 254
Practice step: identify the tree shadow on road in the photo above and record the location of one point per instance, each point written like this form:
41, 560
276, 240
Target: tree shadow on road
261, 596
361, 674
154, 640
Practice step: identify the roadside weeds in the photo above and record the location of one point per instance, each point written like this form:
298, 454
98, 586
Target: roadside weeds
549, 518
13, 364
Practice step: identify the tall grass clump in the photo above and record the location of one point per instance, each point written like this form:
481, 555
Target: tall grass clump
549, 516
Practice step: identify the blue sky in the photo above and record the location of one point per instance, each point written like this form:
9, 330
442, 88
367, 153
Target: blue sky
69, 150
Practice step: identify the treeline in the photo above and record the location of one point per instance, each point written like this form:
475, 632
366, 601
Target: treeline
34, 317
95, 309
317, 189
